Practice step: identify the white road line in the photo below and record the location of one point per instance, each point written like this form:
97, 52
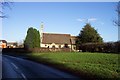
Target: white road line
14, 65
19, 72
23, 76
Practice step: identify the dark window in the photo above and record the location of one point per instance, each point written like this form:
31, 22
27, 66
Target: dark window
59, 46
66, 46
48, 46
53, 46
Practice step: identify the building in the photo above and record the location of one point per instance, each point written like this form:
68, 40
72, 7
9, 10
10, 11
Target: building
3, 43
12, 44
73, 43
56, 40
53, 40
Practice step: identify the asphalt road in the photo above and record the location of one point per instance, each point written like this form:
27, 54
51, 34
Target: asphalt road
15, 67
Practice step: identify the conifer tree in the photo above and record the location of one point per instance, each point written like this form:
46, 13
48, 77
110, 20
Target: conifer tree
32, 39
88, 35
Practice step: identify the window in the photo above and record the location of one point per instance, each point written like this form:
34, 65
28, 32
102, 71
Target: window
59, 46
66, 46
53, 46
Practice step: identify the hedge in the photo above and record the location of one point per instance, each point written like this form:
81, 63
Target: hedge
109, 47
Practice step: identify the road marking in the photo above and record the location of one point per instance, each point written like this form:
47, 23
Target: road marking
23, 76
14, 65
19, 72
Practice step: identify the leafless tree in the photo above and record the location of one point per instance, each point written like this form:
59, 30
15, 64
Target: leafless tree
117, 22
3, 5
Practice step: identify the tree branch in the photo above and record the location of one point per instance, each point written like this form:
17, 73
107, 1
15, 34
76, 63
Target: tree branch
3, 4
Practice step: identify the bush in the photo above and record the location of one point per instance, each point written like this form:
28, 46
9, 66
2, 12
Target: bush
109, 47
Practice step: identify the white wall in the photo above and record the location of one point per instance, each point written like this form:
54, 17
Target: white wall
53, 44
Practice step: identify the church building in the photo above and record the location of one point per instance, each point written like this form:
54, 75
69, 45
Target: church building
56, 40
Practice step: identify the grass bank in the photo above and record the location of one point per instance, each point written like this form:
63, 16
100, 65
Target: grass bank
87, 65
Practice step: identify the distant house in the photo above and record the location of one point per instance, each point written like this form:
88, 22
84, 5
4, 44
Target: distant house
12, 44
3, 43
53, 40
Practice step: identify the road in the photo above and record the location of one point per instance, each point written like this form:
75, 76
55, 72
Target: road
15, 67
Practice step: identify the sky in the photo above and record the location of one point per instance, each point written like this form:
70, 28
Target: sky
59, 17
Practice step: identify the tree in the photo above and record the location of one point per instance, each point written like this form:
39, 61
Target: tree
117, 22
3, 4
32, 39
88, 35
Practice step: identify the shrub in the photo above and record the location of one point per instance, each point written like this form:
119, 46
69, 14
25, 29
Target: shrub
109, 47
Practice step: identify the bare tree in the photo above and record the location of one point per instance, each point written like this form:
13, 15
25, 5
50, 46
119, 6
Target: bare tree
117, 22
3, 4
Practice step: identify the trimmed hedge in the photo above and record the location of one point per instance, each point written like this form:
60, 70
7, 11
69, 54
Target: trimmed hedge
13, 50
33, 50
109, 47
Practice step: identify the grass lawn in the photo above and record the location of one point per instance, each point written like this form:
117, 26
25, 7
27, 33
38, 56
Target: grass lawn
97, 65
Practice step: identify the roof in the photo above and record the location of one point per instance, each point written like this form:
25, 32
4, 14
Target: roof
49, 38
4, 41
